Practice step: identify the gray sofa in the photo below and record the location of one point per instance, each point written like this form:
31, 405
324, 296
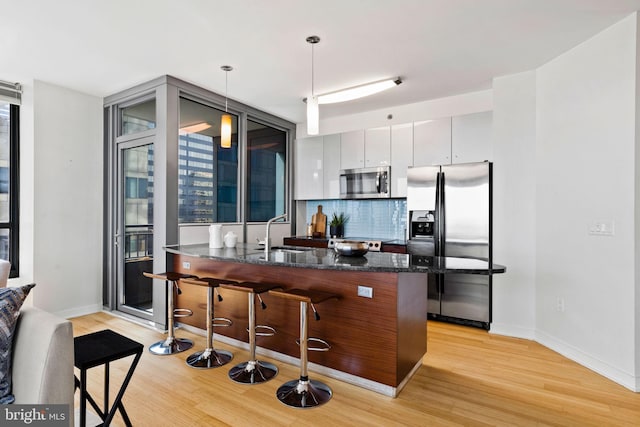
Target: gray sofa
42, 366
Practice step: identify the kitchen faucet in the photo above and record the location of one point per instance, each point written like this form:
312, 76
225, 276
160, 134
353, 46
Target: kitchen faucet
267, 243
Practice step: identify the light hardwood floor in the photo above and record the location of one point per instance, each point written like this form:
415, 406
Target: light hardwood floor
469, 377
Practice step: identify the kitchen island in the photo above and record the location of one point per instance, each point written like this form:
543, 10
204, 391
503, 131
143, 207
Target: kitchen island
377, 327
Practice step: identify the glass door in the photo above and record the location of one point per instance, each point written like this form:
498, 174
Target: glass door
134, 235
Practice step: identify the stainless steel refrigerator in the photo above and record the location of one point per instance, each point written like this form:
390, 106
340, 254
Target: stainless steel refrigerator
449, 210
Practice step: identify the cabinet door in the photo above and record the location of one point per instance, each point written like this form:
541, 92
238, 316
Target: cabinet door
332, 166
401, 158
377, 147
432, 142
309, 180
352, 150
471, 137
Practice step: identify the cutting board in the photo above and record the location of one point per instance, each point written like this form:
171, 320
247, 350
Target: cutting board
319, 223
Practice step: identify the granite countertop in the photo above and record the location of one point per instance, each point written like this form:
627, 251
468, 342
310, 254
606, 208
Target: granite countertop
322, 258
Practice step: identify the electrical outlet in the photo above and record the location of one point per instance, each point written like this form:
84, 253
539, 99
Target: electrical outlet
560, 305
365, 291
186, 265
602, 228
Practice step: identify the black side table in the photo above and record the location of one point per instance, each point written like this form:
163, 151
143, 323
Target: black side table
101, 348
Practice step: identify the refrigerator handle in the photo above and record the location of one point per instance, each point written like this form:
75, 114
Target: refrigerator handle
440, 215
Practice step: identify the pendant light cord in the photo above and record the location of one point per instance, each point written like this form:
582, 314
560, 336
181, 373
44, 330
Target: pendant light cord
226, 69
312, 67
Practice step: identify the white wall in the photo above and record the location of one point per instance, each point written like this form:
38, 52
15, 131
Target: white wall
514, 219
585, 170
67, 212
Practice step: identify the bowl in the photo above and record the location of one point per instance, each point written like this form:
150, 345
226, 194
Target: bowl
351, 248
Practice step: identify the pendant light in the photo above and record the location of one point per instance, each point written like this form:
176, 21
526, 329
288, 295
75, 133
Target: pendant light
225, 122
313, 112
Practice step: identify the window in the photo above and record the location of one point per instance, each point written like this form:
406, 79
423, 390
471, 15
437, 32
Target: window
266, 169
138, 118
208, 173
9, 213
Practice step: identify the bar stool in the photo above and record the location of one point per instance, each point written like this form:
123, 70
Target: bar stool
171, 345
210, 357
253, 371
303, 392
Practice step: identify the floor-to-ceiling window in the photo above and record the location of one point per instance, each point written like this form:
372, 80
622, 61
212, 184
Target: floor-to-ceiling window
10, 95
266, 171
207, 173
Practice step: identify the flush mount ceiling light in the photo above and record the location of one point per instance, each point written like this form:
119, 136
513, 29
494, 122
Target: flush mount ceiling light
225, 122
359, 91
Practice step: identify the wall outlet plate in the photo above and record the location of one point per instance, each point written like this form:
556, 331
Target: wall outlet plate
601, 228
365, 291
186, 265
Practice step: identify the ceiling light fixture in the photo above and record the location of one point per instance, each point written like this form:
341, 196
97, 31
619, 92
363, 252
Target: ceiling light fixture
359, 91
313, 111
225, 122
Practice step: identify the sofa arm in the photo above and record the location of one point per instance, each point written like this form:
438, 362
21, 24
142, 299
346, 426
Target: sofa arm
42, 366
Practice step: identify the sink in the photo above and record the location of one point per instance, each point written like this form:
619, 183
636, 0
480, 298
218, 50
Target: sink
289, 250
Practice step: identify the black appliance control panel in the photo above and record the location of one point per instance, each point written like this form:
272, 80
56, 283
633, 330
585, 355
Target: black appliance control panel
422, 223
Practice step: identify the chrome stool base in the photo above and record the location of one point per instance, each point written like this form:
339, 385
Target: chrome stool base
209, 358
170, 346
304, 393
253, 372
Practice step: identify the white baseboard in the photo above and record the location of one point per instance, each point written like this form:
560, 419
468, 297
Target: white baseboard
614, 374
79, 311
512, 331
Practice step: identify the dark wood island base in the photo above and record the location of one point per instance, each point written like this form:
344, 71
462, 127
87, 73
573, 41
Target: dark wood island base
376, 343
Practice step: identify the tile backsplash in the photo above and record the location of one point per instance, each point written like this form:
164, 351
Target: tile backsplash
384, 219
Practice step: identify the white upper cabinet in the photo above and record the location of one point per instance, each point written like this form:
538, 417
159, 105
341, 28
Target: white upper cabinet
309, 176
332, 166
401, 157
377, 147
471, 137
432, 142
352, 150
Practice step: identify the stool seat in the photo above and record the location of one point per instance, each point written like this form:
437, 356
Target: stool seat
305, 392
209, 357
256, 288
169, 275
304, 295
171, 345
101, 348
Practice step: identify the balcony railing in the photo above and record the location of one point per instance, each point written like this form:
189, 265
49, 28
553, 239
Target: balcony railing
138, 242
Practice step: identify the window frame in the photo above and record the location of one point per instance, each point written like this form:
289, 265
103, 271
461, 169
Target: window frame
14, 190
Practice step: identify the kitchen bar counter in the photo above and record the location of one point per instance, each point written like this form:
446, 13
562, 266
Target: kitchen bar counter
376, 328
322, 258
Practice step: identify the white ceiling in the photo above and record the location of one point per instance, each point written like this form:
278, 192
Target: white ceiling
438, 47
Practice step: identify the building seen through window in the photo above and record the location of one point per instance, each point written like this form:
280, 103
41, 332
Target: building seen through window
207, 173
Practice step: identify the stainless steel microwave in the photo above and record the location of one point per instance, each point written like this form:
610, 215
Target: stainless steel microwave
365, 183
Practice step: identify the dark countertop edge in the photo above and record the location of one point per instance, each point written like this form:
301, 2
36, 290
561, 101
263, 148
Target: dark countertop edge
496, 268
